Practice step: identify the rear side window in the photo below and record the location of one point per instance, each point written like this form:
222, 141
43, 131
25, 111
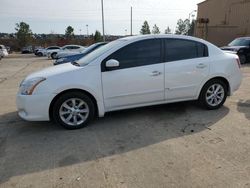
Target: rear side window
140, 53
53, 48
179, 49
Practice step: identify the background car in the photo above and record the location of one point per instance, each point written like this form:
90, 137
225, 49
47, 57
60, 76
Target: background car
241, 46
27, 50
1, 54
3, 51
127, 73
76, 57
50, 49
37, 48
68, 50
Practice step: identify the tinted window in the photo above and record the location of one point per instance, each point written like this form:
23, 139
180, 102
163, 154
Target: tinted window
138, 54
54, 48
178, 49
74, 47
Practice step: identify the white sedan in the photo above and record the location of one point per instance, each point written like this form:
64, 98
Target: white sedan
69, 50
50, 49
130, 72
3, 51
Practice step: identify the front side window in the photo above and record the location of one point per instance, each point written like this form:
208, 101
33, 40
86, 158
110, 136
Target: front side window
180, 49
140, 53
75, 47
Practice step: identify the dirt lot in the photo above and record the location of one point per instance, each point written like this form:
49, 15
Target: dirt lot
177, 145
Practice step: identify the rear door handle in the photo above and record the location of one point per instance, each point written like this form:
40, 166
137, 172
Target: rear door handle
201, 66
155, 73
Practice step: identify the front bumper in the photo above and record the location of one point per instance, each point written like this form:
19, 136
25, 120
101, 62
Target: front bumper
34, 107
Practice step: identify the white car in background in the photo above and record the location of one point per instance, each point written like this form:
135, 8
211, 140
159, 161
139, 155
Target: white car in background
3, 51
127, 73
69, 50
50, 49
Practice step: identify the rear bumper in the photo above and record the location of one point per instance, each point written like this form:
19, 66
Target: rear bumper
34, 107
235, 82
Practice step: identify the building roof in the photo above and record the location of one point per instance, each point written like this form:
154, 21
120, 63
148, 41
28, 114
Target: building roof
203, 2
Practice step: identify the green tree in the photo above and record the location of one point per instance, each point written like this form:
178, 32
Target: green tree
69, 32
23, 33
183, 27
97, 36
145, 28
168, 30
156, 29
191, 28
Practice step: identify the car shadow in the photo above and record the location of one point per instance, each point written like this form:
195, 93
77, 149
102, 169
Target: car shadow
243, 106
27, 147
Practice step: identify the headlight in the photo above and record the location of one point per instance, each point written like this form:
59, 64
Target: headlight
27, 87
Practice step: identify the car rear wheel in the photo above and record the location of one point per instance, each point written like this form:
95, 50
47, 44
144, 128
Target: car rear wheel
73, 110
40, 54
213, 94
243, 59
53, 55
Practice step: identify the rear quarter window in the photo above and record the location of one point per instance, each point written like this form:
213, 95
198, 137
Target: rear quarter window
180, 49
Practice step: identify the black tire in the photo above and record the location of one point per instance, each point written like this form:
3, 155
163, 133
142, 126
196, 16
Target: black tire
40, 54
73, 95
203, 95
243, 59
53, 55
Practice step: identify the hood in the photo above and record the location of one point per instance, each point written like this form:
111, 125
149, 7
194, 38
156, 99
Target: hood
233, 48
75, 56
52, 71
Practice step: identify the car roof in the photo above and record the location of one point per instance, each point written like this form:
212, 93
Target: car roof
141, 37
53, 46
72, 45
247, 38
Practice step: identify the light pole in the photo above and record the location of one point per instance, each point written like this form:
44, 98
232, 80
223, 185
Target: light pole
131, 24
103, 23
191, 13
87, 30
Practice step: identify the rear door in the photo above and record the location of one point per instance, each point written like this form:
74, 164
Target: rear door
187, 65
139, 79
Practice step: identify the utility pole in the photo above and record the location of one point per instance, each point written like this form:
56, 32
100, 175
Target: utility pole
87, 30
103, 34
131, 24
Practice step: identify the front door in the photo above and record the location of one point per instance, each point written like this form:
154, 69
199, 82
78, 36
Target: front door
139, 79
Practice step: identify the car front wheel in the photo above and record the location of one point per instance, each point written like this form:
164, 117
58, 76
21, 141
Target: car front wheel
73, 110
213, 94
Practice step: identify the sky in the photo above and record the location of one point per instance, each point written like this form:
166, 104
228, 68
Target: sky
53, 16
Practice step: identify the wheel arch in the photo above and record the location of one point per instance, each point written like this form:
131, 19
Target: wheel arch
222, 78
51, 106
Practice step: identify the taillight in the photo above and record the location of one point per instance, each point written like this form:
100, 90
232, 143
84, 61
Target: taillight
238, 61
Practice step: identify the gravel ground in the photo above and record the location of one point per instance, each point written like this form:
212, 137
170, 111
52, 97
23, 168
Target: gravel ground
175, 145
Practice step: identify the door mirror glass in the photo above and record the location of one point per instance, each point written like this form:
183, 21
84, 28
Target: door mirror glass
112, 63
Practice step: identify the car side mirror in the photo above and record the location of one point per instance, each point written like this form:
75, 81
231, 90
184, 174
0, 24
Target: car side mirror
112, 63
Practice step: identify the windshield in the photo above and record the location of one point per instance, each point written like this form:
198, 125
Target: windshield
240, 42
95, 54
